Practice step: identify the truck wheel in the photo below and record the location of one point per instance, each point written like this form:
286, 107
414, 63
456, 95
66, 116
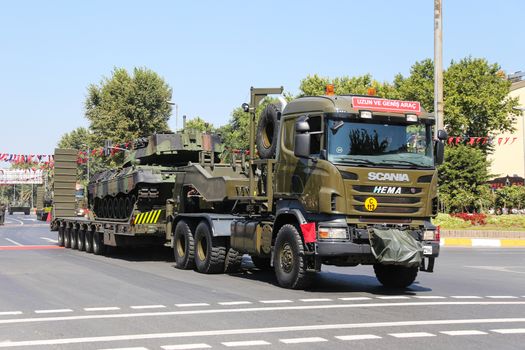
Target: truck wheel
233, 261
268, 131
61, 235
26, 212
289, 259
261, 263
67, 237
183, 246
88, 241
74, 238
81, 239
394, 276
98, 244
210, 252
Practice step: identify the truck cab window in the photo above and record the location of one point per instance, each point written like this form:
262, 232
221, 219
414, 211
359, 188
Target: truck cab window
316, 133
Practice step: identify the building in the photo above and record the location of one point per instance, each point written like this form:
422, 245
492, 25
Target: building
508, 158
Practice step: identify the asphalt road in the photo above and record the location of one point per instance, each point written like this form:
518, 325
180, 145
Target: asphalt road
135, 299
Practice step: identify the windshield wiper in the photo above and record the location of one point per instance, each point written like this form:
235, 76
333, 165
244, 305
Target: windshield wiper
353, 161
400, 161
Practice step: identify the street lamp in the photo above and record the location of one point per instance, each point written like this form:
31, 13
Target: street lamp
522, 109
176, 113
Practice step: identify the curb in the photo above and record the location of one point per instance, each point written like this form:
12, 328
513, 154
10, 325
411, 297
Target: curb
482, 242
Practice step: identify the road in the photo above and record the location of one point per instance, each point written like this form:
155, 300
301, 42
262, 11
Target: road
65, 299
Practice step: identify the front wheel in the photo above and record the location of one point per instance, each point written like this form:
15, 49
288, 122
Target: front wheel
395, 276
183, 246
88, 241
289, 259
210, 252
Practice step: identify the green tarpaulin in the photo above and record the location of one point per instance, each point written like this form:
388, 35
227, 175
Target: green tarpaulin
395, 247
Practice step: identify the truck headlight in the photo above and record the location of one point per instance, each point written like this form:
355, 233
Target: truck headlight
333, 233
431, 235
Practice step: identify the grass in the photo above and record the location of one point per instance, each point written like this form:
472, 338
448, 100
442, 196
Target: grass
494, 223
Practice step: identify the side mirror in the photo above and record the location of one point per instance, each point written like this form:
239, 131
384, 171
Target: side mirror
439, 152
302, 138
442, 135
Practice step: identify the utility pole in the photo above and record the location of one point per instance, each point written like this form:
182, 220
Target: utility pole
438, 66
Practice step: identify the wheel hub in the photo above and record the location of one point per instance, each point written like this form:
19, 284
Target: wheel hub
286, 258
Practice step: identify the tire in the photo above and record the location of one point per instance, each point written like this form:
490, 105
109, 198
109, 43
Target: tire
88, 241
81, 239
60, 238
261, 263
98, 244
268, 131
67, 237
233, 261
26, 212
210, 252
394, 276
74, 238
184, 246
289, 260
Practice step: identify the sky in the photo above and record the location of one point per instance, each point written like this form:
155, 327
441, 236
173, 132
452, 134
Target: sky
212, 52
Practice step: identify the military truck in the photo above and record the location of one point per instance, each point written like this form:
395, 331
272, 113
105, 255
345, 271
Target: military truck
338, 180
19, 207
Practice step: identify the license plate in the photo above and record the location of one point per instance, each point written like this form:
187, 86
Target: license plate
427, 250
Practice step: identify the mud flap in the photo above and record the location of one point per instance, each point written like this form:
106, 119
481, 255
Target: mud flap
395, 247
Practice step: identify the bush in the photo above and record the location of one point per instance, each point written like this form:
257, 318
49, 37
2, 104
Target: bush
450, 223
475, 219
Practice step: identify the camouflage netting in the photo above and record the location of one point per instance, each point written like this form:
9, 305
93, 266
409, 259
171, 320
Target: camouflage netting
395, 247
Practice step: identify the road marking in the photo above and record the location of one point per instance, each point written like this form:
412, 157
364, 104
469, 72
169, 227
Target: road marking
185, 346
412, 335
429, 297
466, 332
466, 297
235, 302
257, 309
245, 343
268, 330
136, 348
49, 239
108, 308
311, 300
192, 304
275, 301
302, 340
358, 337
141, 307
30, 247
509, 331
354, 298
393, 297
19, 221
52, 311
9, 313
14, 242
483, 242
501, 297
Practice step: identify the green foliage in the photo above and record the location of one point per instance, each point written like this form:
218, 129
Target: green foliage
77, 139
314, 85
493, 223
510, 197
448, 222
419, 86
199, 124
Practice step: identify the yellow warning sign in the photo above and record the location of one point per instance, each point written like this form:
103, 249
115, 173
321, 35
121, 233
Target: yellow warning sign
371, 204
149, 217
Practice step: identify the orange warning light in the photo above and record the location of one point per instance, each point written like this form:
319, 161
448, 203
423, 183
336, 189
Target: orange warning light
330, 90
371, 91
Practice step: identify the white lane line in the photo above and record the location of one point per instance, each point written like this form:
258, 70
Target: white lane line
268, 330
259, 309
393, 297
412, 335
235, 302
501, 297
14, 242
302, 340
107, 308
509, 331
466, 332
49, 239
52, 311
10, 313
19, 221
142, 307
192, 304
245, 343
135, 348
466, 297
358, 337
186, 346
354, 298
275, 301
429, 297
311, 300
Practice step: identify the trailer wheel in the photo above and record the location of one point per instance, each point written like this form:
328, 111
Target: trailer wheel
268, 131
61, 235
210, 252
289, 259
81, 239
261, 263
74, 238
395, 276
67, 237
98, 244
88, 241
184, 246
233, 261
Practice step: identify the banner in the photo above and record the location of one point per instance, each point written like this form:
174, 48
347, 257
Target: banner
27, 176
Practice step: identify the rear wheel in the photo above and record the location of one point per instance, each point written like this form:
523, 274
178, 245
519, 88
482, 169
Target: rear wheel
61, 235
289, 259
67, 237
74, 238
394, 276
98, 244
184, 246
81, 239
88, 241
233, 261
210, 252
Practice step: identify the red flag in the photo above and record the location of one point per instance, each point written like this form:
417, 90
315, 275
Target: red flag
499, 140
513, 139
308, 230
458, 140
450, 139
471, 140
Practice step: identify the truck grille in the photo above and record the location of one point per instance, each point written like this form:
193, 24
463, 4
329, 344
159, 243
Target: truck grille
408, 201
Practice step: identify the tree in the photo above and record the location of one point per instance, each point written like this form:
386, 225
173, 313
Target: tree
510, 197
199, 124
314, 85
125, 107
78, 139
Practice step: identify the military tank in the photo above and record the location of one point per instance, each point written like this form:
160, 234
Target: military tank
147, 177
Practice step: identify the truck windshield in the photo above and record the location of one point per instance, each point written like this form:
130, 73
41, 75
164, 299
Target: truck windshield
351, 142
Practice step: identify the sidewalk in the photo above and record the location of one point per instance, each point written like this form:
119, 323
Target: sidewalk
489, 239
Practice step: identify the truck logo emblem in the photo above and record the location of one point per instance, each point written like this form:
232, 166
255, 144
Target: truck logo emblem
371, 204
400, 177
387, 190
